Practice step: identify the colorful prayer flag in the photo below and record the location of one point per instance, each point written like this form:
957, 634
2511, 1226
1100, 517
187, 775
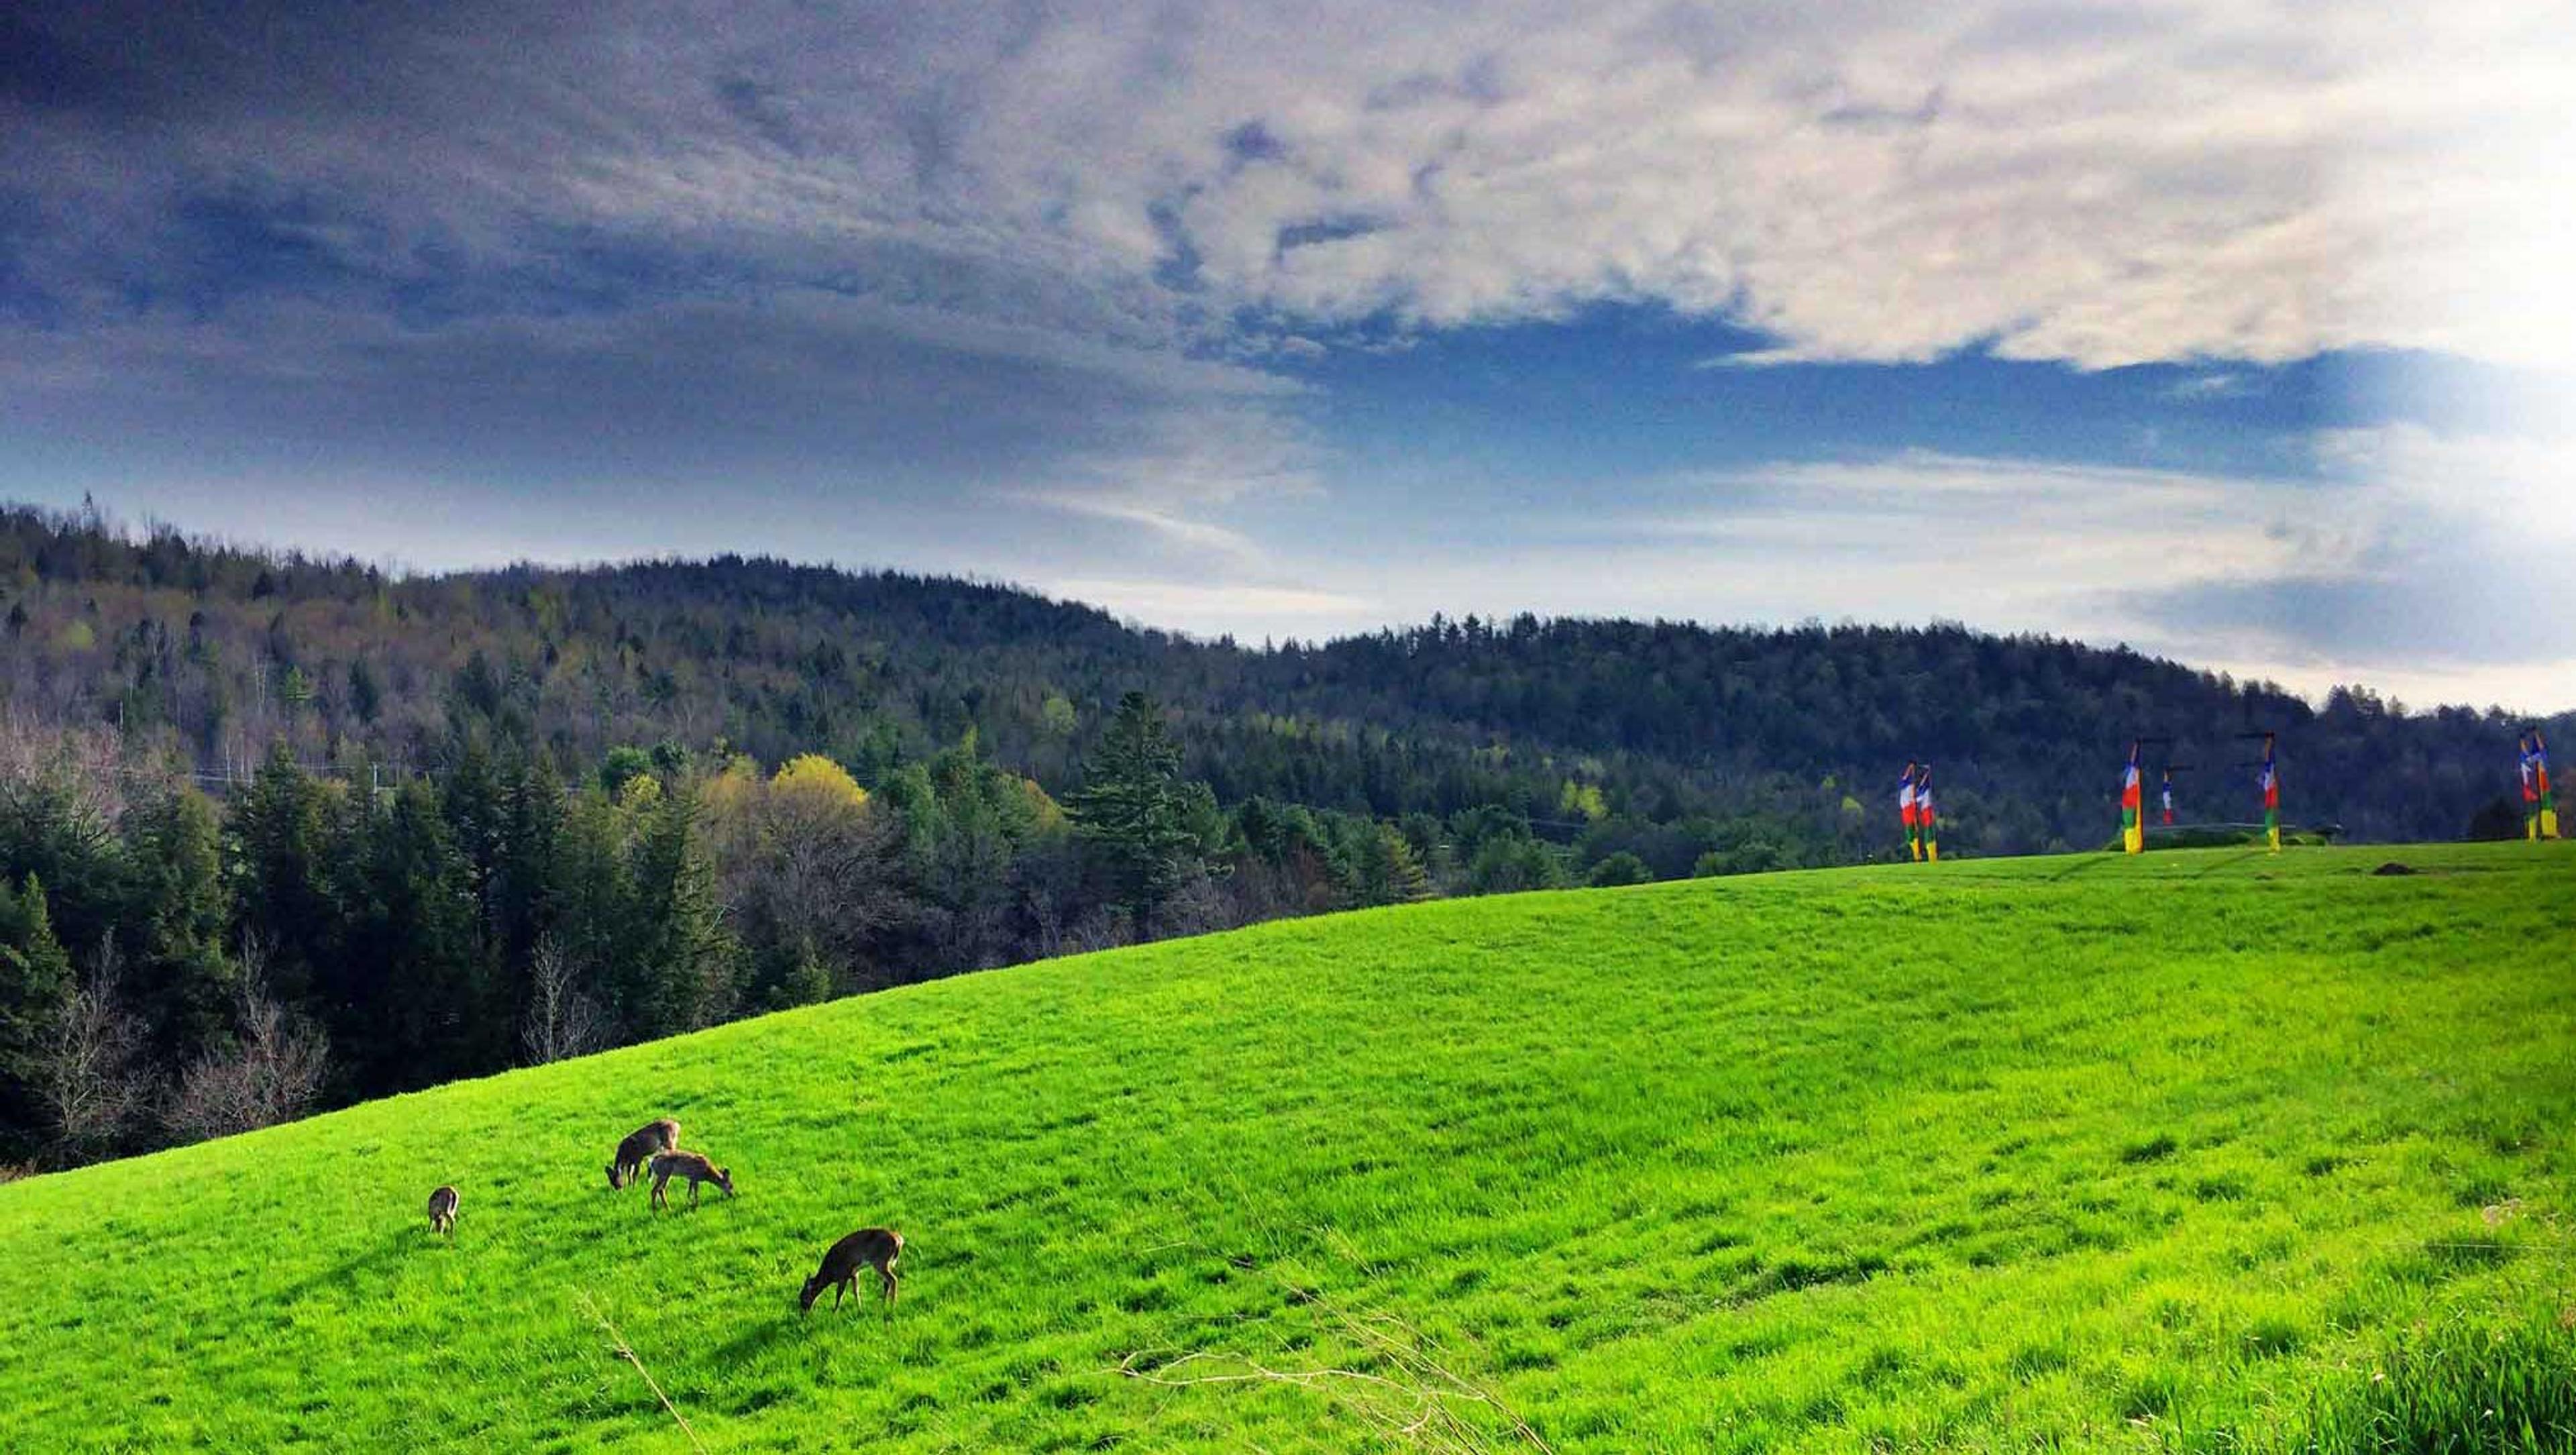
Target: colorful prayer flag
1905, 811
1926, 822
2525, 760
2168, 797
2271, 797
2540, 773
2133, 831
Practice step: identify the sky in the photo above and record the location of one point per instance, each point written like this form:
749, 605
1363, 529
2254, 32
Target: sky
2241, 333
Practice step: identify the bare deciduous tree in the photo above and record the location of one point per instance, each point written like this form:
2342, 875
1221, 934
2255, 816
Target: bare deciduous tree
92, 1077
562, 1020
272, 1075
1195, 906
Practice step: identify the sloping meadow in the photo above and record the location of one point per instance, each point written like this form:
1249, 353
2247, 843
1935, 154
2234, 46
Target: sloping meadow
2202, 1150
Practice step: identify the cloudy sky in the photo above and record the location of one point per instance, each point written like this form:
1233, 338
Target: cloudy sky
2239, 332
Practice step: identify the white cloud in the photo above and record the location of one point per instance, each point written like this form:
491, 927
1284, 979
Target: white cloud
1212, 610
2104, 186
2166, 180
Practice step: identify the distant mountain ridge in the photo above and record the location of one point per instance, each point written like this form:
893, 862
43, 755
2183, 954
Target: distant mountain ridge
1599, 730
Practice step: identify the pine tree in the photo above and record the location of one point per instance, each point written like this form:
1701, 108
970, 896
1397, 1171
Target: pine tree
366, 697
35, 987
685, 959
593, 913
1131, 809
1406, 880
284, 829
471, 797
183, 979
412, 1006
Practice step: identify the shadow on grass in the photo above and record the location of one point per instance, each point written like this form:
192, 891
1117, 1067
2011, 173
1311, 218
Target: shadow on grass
761, 1336
791, 1327
2231, 861
377, 1259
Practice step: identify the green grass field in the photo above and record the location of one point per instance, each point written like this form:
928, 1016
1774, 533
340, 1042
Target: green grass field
2209, 1150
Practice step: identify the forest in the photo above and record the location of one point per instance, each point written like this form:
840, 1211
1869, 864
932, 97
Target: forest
279, 833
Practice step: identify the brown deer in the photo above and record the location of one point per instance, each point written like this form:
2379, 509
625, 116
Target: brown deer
442, 1211
640, 1144
867, 1248
691, 1165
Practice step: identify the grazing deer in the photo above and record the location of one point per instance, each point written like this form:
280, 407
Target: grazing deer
867, 1248
442, 1211
641, 1144
691, 1165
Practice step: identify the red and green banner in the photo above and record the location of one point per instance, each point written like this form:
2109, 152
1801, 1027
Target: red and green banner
2271, 797
2529, 764
1927, 824
2133, 828
1906, 812
2540, 803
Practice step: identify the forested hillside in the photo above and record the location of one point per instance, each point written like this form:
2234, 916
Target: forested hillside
278, 832
226, 652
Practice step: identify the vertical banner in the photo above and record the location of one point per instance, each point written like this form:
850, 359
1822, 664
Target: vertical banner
1925, 820
2271, 796
2168, 797
2528, 762
1905, 812
2133, 829
2540, 771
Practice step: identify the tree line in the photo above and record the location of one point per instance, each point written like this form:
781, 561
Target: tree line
174, 966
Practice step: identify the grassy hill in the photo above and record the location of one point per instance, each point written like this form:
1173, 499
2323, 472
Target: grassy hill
2207, 1150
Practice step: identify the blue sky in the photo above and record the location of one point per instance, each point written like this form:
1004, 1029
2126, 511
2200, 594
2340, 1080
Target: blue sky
2233, 332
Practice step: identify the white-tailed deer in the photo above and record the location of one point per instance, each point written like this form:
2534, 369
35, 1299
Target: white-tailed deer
442, 1211
691, 1165
640, 1145
875, 1248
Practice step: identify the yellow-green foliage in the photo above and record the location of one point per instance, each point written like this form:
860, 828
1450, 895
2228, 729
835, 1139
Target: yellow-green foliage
1583, 799
1045, 815
816, 783
2202, 1150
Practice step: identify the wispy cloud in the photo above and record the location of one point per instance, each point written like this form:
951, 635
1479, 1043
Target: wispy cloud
1193, 606
2124, 183
2217, 384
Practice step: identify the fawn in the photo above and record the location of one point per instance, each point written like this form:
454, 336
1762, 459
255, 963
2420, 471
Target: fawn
641, 1144
867, 1248
691, 1165
442, 1211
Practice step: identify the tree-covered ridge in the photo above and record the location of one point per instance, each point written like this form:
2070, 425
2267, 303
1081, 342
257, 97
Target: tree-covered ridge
1602, 729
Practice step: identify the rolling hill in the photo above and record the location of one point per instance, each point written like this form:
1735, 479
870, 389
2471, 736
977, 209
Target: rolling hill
2207, 1150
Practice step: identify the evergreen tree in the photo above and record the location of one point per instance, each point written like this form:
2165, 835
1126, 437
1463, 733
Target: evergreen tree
593, 913
1132, 811
181, 976
471, 797
35, 986
284, 827
412, 1007
524, 895
366, 697
1405, 879
685, 959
